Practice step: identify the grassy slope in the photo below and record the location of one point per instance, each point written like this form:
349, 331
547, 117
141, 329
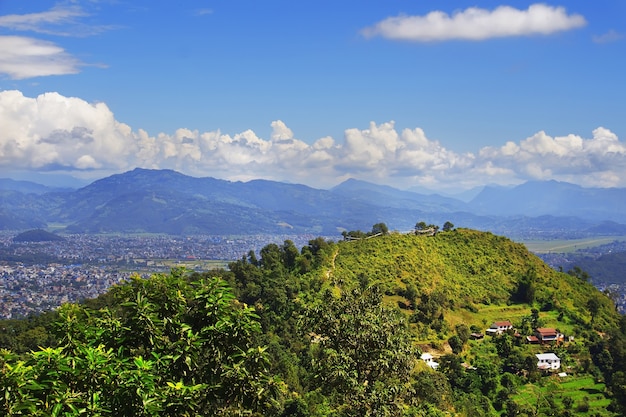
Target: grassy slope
475, 271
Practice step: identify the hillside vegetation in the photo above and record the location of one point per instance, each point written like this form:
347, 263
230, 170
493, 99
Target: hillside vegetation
331, 329
466, 270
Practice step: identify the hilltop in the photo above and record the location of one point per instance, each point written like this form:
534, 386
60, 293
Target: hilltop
473, 277
37, 235
337, 329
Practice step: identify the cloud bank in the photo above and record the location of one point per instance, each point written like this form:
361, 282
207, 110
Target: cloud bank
477, 24
53, 133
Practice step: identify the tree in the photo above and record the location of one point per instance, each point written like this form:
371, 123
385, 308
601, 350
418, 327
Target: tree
579, 273
380, 228
455, 344
593, 306
504, 344
447, 226
488, 375
433, 388
364, 354
290, 254
463, 332
526, 288
534, 318
451, 366
421, 226
353, 235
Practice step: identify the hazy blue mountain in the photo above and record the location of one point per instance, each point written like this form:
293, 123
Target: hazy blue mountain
465, 196
537, 198
28, 187
165, 201
19, 211
13, 221
385, 196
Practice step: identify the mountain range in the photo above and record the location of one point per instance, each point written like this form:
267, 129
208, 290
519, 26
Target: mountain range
166, 201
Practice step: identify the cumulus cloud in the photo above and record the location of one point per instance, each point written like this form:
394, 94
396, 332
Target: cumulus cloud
477, 24
56, 133
597, 161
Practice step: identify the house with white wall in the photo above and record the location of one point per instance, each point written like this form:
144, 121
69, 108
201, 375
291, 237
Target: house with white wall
428, 358
499, 327
548, 361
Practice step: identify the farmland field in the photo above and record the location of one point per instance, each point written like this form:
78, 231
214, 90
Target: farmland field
568, 245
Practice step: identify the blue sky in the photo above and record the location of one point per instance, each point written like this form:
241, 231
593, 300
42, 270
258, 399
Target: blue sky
445, 95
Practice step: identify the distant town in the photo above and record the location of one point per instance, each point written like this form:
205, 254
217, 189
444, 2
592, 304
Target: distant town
39, 276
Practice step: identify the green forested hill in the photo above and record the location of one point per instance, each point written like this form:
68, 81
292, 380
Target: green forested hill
467, 269
331, 329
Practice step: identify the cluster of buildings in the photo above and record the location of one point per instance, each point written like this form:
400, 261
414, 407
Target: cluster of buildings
40, 276
542, 335
133, 249
32, 289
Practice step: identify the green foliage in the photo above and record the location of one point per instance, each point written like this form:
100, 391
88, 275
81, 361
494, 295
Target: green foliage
24, 335
463, 332
169, 347
526, 288
380, 228
377, 230
579, 273
455, 344
363, 355
432, 388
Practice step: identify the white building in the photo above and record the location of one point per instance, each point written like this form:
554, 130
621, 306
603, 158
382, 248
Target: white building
548, 361
428, 358
499, 327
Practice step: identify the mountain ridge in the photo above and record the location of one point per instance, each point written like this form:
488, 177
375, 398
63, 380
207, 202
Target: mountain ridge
167, 201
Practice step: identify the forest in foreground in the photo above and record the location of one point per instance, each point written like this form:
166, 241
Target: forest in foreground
330, 329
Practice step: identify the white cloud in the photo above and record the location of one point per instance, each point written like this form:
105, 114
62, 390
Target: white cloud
203, 12
22, 57
598, 161
610, 36
62, 20
477, 24
56, 133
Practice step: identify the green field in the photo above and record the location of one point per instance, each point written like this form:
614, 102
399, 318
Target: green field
193, 264
587, 395
569, 245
